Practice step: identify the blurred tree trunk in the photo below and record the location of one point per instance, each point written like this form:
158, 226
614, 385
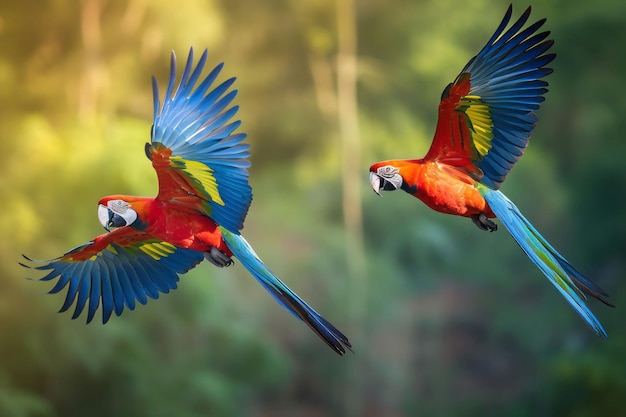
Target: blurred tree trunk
91, 76
347, 113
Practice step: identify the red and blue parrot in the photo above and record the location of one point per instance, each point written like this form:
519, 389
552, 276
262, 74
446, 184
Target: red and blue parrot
204, 195
485, 120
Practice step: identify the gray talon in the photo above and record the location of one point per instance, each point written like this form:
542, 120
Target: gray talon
484, 223
218, 258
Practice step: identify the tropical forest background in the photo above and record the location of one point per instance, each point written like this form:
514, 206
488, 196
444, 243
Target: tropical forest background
446, 320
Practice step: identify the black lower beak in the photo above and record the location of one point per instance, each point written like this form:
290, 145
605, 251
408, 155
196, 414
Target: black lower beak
115, 220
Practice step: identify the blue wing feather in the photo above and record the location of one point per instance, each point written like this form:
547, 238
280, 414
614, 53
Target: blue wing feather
495, 95
116, 276
129, 295
124, 267
193, 123
63, 280
145, 281
84, 287
72, 291
506, 75
95, 293
115, 286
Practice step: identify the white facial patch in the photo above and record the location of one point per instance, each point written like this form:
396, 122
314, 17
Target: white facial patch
118, 206
387, 171
391, 175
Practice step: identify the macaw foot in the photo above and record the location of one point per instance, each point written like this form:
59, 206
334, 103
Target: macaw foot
484, 223
218, 258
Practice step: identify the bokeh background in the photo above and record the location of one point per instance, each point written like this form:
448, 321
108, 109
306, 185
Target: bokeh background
446, 320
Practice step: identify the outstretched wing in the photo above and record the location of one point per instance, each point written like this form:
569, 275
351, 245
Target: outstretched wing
486, 116
114, 270
200, 163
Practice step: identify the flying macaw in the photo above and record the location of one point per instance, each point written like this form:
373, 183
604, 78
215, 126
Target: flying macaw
203, 198
485, 120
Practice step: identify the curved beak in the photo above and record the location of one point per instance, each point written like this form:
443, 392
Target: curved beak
376, 182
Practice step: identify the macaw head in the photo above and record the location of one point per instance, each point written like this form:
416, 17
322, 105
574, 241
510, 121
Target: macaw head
387, 176
118, 211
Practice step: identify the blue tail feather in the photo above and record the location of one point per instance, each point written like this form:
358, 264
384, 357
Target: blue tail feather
245, 254
570, 283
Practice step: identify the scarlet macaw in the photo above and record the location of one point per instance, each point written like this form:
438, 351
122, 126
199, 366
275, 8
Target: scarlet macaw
200, 208
485, 120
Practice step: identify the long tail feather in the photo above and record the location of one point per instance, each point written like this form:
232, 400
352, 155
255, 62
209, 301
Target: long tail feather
571, 284
287, 298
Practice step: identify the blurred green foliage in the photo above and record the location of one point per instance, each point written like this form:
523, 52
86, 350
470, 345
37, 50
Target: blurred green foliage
458, 321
